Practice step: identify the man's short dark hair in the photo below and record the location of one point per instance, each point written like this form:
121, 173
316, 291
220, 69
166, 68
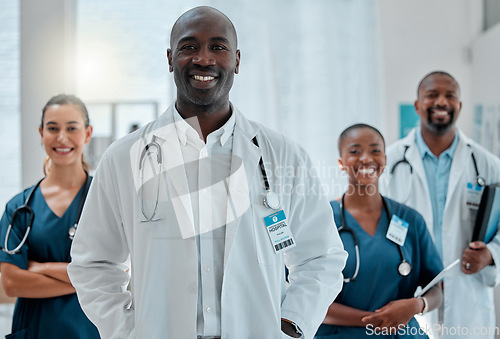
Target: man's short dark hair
438, 73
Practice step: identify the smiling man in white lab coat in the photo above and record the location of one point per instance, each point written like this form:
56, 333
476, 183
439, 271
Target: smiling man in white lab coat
435, 169
206, 208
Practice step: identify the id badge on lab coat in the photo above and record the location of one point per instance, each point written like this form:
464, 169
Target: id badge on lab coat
279, 232
473, 195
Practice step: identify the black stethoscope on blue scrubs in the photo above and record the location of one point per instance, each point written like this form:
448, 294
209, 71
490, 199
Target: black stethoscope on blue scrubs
480, 181
27, 209
404, 267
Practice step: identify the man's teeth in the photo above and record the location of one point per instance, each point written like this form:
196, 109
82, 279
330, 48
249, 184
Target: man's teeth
366, 171
441, 113
63, 149
203, 78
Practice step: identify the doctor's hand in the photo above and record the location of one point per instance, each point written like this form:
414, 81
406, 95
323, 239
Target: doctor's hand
289, 329
476, 257
394, 314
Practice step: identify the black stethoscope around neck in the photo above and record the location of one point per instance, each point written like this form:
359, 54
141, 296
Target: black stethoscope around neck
404, 267
480, 181
31, 216
271, 199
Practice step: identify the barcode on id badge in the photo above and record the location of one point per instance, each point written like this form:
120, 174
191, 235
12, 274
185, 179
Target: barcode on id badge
283, 244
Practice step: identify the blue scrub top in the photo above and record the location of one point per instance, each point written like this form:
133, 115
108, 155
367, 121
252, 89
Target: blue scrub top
378, 281
48, 241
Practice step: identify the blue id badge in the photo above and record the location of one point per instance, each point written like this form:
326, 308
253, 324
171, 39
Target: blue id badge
473, 195
279, 232
397, 230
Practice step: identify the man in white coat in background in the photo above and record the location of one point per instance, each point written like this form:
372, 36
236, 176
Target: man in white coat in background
206, 208
438, 171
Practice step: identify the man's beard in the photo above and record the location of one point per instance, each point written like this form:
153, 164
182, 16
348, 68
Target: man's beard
440, 128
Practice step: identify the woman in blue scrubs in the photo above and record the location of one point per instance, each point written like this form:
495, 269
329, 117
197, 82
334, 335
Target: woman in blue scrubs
378, 298
47, 305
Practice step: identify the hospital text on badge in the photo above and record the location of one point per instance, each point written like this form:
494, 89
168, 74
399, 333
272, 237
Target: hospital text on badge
279, 232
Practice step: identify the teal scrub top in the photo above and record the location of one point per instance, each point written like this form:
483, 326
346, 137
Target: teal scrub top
378, 281
48, 241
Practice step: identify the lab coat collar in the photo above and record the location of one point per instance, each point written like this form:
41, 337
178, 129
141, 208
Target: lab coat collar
415, 160
182, 127
413, 155
463, 155
185, 130
176, 179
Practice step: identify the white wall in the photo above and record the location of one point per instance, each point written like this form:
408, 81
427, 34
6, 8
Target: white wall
486, 89
485, 79
422, 36
47, 64
10, 140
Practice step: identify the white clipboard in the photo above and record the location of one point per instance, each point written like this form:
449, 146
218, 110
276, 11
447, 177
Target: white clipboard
421, 291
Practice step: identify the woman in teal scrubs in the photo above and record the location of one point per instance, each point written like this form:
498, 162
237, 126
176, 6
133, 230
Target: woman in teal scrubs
47, 305
380, 297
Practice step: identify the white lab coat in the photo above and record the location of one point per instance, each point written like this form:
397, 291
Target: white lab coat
468, 299
164, 276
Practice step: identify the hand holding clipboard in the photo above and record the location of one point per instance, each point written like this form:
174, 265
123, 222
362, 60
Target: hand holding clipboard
488, 214
420, 292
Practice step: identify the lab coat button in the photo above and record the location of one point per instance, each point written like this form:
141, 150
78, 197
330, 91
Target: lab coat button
207, 268
209, 309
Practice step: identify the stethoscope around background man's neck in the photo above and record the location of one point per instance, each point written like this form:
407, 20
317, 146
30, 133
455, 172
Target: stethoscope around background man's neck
26, 208
480, 181
404, 267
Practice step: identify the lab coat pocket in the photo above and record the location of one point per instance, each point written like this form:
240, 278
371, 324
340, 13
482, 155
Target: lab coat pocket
158, 224
150, 212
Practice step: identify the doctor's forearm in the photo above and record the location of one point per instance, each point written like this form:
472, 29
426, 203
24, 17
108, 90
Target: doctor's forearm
343, 315
25, 284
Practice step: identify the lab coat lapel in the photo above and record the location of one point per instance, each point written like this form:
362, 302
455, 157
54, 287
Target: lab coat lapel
176, 179
244, 161
458, 166
415, 159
